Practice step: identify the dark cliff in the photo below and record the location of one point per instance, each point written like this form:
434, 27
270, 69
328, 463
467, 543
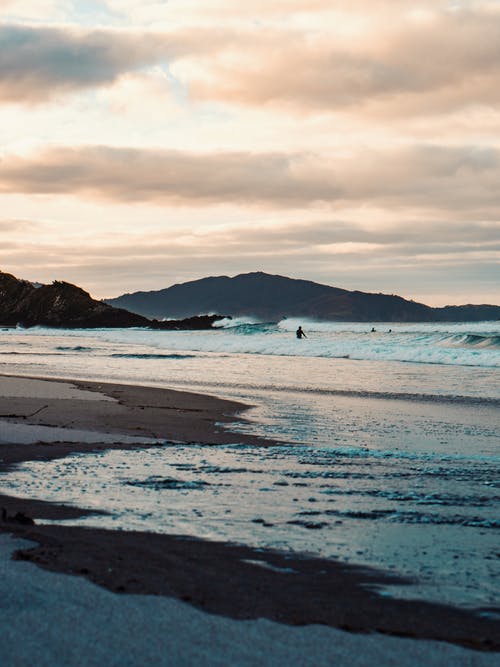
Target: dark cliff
67, 306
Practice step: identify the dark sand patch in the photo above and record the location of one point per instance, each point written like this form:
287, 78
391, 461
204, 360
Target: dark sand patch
218, 578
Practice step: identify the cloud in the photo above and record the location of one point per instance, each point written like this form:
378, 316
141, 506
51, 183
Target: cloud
307, 68
11, 227
38, 63
165, 176
314, 71
197, 12
458, 178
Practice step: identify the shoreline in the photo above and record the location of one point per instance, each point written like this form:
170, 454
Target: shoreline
221, 578
119, 410
126, 412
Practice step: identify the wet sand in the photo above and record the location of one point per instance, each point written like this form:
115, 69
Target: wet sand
121, 409
232, 581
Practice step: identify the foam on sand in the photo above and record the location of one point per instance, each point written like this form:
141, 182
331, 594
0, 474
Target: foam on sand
30, 434
54, 620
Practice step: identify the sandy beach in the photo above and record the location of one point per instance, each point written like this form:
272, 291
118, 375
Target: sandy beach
227, 580
249, 333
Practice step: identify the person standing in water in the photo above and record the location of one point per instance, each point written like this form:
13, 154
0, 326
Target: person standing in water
300, 334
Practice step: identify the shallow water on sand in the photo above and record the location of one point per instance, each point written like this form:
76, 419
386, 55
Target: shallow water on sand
385, 463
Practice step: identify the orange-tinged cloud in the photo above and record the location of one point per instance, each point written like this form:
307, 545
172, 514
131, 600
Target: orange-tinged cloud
429, 177
448, 62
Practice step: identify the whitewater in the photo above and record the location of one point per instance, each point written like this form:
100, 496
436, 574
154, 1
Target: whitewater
390, 439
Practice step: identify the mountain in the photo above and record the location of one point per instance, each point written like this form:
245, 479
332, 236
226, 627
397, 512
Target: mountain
272, 297
64, 305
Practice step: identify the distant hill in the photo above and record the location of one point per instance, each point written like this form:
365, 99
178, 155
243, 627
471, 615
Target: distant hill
272, 297
64, 305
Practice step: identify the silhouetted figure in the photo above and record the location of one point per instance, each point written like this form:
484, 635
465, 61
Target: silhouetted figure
19, 517
300, 334
373, 329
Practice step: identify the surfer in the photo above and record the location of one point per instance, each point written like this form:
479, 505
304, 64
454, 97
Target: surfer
300, 334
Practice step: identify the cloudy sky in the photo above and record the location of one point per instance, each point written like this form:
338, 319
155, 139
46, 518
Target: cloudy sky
144, 143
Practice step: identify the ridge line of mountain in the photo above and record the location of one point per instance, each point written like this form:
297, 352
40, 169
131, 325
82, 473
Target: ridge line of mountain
273, 297
263, 296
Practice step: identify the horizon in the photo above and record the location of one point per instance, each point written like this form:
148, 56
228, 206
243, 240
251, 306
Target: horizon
147, 144
110, 298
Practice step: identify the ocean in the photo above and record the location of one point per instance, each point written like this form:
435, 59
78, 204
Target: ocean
390, 454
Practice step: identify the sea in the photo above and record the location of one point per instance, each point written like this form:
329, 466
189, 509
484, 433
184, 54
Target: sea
389, 451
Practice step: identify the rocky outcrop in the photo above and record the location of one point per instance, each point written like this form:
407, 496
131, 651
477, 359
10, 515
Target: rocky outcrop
63, 305
189, 323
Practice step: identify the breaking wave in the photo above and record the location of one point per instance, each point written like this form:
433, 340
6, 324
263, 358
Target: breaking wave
474, 344
463, 344
475, 340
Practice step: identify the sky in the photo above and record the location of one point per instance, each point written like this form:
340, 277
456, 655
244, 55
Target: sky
354, 143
